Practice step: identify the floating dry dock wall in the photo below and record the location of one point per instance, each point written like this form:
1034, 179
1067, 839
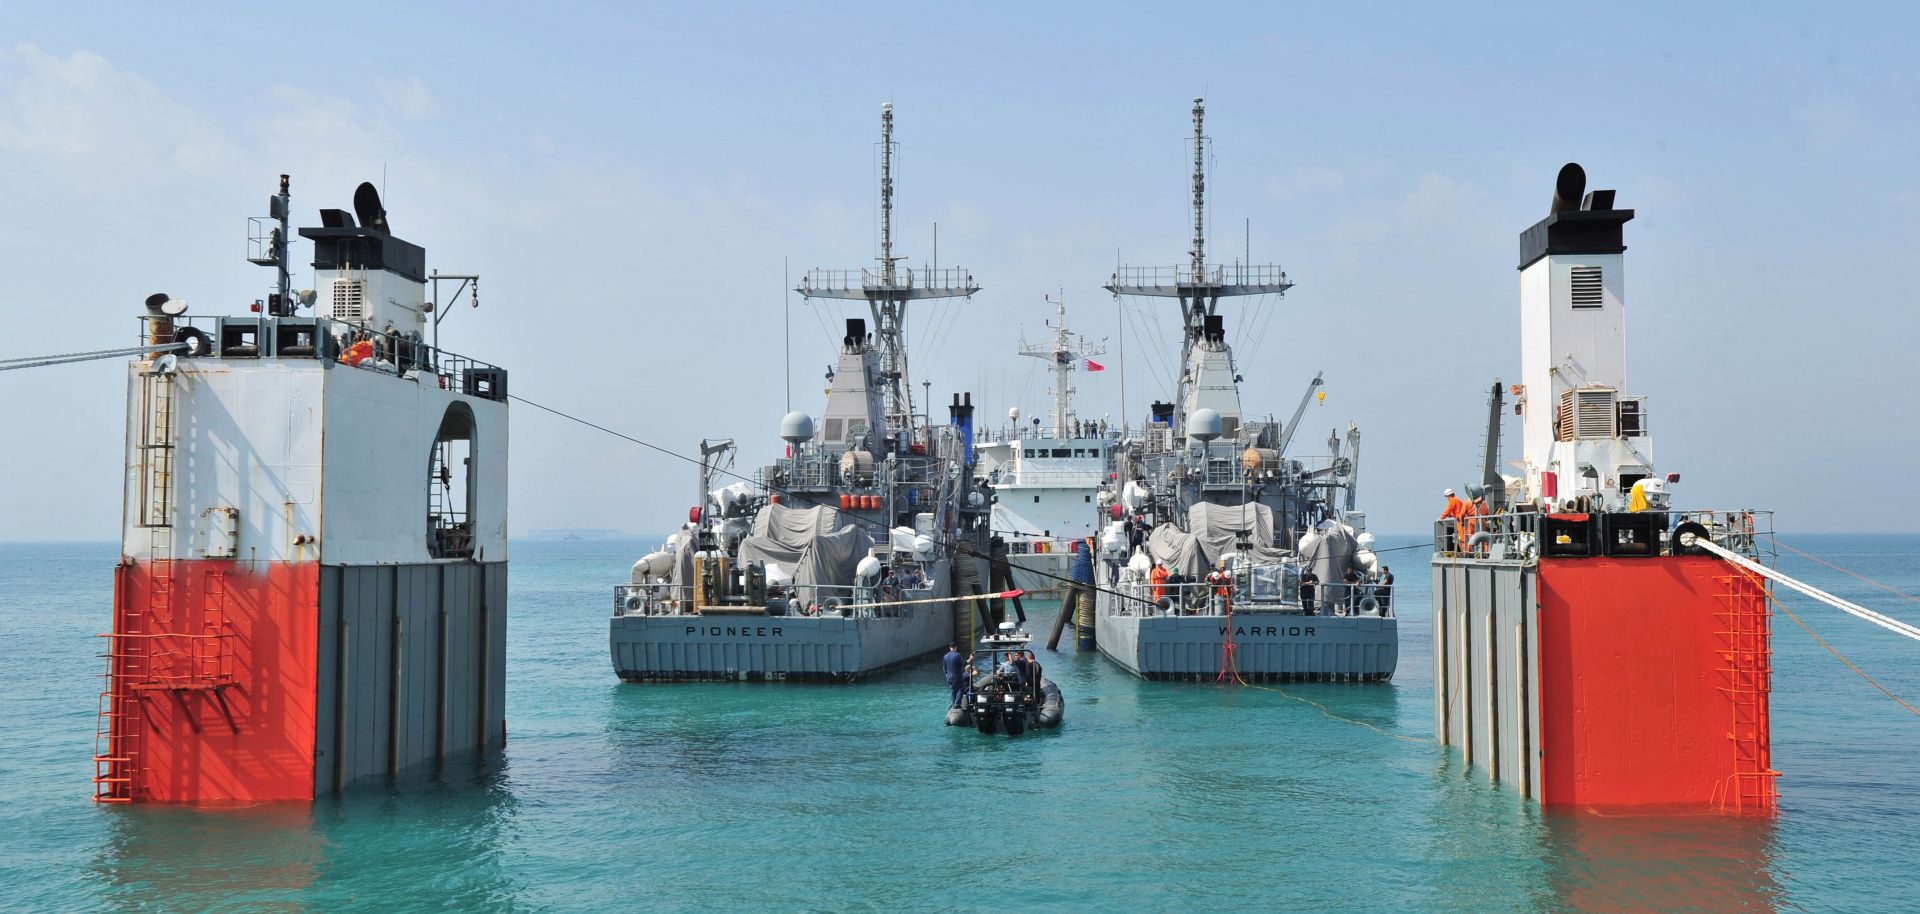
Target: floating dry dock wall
1625, 680
312, 588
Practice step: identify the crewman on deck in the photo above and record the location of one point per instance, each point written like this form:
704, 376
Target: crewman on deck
1222, 583
1033, 675
956, 668
1158, 578
1456, 511
1476, 509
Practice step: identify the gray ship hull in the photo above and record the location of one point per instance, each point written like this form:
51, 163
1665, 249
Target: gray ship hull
735, 647
1282, 647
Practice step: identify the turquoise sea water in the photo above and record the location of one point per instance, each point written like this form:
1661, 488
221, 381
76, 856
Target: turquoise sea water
1153, 797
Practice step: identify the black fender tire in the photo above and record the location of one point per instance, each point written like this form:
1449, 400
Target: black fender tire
1680, 535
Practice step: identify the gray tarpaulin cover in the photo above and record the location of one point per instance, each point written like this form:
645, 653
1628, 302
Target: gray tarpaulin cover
831, 557
1213, 532
1328, 557
810, 541
1180, 552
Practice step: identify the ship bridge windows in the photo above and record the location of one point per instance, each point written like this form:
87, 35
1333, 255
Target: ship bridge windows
450, 486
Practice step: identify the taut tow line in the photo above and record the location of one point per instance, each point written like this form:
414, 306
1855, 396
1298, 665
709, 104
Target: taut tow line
1846, 606
38, 361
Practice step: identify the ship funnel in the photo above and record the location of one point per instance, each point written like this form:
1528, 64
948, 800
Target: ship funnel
961, 414
366, 203
1568, 188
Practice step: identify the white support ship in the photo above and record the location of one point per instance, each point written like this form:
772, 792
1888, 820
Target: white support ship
1046, 479
841, 558
1232, 557
312, 588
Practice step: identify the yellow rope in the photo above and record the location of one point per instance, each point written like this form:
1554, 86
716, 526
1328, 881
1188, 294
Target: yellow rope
1823, 643
1330, 715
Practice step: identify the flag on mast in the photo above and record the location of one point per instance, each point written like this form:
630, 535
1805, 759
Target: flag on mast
1095, 366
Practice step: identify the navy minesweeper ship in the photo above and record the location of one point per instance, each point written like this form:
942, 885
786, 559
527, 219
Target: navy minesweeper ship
1228, 557
1045, 477
842, 557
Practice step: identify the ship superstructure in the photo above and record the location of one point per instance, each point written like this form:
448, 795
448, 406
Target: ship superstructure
1046, 478
840, 558
312, 584
1586, 649
1222, 553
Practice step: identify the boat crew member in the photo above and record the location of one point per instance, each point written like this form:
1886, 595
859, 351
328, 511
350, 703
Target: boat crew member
1176, 584
1158, 578
1455, 511
956, 669
1309, 583
1386, 590
1010, 670
1352, 597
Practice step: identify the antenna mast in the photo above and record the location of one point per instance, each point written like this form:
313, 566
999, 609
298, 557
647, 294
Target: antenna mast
888, 290
1199, 249
1066, 352
1199, 286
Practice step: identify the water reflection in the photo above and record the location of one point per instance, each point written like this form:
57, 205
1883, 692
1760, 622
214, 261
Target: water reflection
1639, 863
449, 830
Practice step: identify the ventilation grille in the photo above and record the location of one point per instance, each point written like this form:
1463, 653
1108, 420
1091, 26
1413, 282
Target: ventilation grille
1586, 287
1588, 412
348, 301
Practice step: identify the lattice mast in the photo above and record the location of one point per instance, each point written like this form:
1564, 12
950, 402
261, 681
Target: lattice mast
888, 290
1065, 352
1200, 285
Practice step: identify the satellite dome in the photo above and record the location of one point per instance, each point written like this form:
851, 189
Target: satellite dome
796, 427
1204, 425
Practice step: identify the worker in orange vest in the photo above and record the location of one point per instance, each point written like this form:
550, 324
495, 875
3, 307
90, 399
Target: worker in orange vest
1456, 511
1476, 509
360, 351
1158, 578
1222, 586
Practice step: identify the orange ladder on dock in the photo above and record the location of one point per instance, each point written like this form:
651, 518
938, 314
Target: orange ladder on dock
1747, 680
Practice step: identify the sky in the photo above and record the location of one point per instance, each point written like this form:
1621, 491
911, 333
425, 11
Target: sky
639, 185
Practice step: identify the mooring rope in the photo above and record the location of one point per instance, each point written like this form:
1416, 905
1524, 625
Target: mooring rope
41, 361
1842, 658
1814, 558
1324, 712
1846, 606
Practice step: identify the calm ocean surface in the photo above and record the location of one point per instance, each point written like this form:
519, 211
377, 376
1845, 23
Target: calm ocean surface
614, 797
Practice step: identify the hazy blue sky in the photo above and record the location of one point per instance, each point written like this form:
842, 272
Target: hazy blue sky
628, 180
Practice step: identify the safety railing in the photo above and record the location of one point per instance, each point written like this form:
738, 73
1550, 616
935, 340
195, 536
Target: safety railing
1521, 536
846, 600
1272, 588
258, 337
1092, 431
652, 599
829, 282
1215, 274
